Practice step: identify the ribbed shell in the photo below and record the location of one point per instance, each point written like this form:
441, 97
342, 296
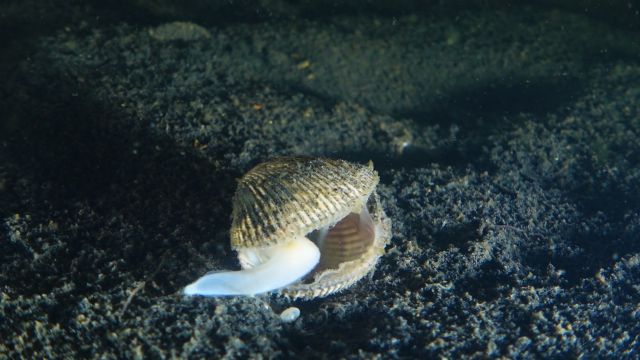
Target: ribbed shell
293, 196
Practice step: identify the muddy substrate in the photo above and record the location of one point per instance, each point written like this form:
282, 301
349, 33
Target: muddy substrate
506, 140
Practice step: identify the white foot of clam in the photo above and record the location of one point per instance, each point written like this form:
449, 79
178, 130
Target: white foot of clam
286, 264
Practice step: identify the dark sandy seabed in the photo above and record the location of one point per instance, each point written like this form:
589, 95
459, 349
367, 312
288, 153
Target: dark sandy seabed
506, 138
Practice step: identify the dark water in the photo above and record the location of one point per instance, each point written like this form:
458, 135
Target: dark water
505, 136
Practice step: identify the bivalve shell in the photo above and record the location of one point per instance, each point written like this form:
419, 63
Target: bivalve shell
320, 209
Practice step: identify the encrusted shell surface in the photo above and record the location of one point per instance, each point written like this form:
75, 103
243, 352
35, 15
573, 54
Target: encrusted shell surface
294, 196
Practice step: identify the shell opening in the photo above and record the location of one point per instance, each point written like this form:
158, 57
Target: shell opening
349, 239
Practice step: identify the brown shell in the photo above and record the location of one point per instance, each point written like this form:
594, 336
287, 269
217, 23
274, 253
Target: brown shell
292, 196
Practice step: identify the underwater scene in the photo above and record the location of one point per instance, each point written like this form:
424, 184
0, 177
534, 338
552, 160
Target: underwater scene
366, 179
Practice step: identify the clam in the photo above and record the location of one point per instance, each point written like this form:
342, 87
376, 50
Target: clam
305, 227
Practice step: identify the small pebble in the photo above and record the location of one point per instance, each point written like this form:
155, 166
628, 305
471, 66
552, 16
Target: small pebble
290, 314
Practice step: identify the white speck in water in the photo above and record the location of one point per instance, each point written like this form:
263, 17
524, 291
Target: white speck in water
290, 314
